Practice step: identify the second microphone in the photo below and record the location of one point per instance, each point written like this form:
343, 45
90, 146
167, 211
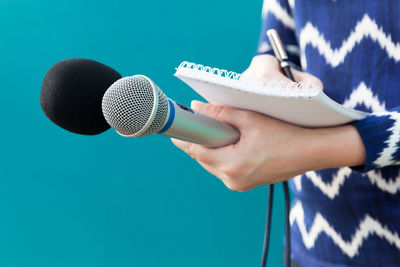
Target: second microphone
135, 106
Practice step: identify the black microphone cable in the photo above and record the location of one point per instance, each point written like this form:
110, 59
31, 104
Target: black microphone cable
287, 259
267, 225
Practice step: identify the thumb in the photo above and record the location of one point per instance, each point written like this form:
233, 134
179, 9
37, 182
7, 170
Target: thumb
233, 116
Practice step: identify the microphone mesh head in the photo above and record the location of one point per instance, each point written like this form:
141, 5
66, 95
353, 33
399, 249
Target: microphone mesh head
128, 105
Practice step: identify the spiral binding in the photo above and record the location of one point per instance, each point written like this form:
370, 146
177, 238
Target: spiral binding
245, 83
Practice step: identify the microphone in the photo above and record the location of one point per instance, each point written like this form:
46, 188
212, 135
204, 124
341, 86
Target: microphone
71, 95
135, 106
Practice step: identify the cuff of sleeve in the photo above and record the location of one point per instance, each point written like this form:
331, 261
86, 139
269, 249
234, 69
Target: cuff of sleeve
374, 131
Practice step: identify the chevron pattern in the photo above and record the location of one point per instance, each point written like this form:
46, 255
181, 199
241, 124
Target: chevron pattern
329, 189
390, 186
361, 95
273, 7
332, 189
381, 132
386, 157
364, 95
263, 47
366, 28
367, 227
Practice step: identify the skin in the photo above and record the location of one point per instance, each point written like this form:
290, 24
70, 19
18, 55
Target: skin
269, 150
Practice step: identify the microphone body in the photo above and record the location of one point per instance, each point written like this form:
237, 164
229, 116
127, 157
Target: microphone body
135, 106
189, 125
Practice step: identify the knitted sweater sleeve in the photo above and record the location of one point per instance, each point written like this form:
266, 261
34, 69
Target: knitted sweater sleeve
380, 133
277, 15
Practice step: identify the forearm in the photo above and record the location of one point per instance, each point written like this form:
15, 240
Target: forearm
270, 150
334, 147
367, 144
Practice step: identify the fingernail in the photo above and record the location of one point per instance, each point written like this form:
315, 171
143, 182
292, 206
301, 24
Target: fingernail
197, 105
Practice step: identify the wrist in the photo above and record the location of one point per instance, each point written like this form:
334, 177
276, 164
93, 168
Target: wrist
335, 147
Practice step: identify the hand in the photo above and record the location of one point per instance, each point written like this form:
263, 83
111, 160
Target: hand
267, 67
270, 150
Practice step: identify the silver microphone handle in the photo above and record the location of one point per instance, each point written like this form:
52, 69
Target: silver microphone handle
189, 125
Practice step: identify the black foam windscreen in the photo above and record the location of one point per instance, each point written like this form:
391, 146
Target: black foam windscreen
72, 92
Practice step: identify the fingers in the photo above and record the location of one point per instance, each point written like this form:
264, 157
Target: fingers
268, 67
236, 117
300, 76
216, 156
265, 67
201, 153
205, 157
266, 73
195, 151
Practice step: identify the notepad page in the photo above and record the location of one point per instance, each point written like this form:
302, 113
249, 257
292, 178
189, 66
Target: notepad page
308, 107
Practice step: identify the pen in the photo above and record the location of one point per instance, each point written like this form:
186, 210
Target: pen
280, 53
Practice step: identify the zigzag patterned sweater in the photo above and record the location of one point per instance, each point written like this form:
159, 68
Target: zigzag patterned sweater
347, 217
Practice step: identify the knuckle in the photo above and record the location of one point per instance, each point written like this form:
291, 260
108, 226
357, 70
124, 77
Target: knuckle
217, 111
232, 186
190, 150
232, 170
227, 170
309, 78
195, 152
318, 82
235, 187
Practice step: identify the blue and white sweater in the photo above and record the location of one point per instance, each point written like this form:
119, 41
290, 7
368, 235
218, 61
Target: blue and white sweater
348, 217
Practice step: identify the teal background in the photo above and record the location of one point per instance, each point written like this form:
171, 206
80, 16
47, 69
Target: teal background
71, 200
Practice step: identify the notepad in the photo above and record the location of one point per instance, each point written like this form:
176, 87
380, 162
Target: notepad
302, 104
